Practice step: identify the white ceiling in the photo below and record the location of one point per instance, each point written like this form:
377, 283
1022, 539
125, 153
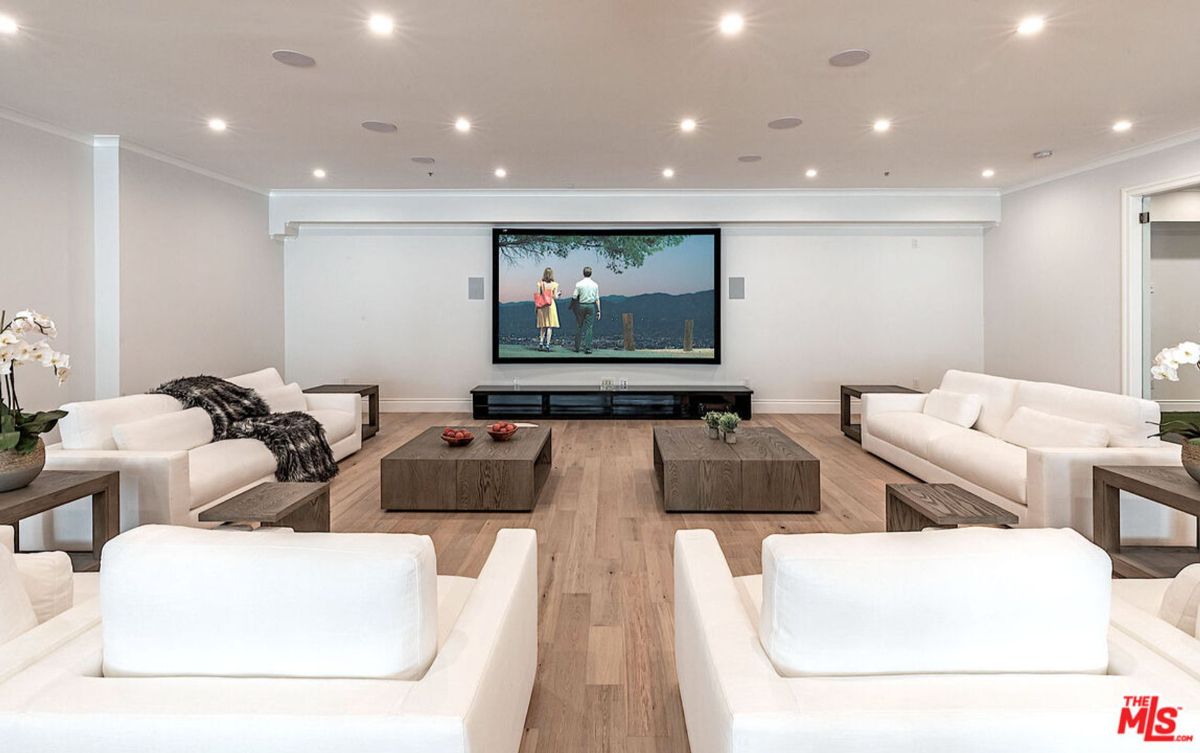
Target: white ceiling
589, 93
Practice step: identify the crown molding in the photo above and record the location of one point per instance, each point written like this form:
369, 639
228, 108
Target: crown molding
37, 124
602, 193
191, 167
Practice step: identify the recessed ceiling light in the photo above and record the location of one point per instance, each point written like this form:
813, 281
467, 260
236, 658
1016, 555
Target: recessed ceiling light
379, 126
810, 172
501, 172
1122, 125
462, 124
750, 158
217, 124
732, 23
293, 58
988, 173
848, 58
881, 125
1031, 25
318, 173
1043, 154
780, 124
424, 160
668, 172
381, 25
8, 25
687, 125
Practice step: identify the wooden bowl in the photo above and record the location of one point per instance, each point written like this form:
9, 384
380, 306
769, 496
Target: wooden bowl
501, 436
458, 442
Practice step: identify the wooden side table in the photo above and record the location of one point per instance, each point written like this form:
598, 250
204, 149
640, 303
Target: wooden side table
301, 506
369, 391
915, 507
53, 489
1168, 485
853, 430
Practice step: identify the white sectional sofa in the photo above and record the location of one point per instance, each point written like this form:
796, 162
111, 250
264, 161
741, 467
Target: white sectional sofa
170, 468
218, 640
1162, 613
959, 641
1028, 447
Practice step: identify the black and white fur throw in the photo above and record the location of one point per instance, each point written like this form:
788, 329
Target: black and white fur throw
297, 440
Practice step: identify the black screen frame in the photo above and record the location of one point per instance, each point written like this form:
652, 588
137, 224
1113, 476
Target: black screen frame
713, 232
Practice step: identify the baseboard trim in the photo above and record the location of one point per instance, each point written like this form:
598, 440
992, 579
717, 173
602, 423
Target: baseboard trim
463, 405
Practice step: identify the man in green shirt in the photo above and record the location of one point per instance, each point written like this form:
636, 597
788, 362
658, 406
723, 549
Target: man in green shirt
587, 309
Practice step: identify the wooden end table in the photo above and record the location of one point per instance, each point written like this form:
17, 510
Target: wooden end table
1168, 485
369, 391
427, 474
53, 489
301, 506
915, 507
853, 430
765, 471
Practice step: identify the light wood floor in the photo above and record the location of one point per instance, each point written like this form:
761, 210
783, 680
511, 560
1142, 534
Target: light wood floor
606, 666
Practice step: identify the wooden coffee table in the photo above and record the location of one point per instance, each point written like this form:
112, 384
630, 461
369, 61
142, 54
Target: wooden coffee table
765, 471
915, 507
52, 489
427, 474
301, 506
1168, 485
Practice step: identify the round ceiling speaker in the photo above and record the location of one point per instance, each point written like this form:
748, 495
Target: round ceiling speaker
379, 126
424, 160
780, 124
293, 58
848, 58
750, 158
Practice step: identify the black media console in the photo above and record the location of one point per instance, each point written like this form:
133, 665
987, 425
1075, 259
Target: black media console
657, 401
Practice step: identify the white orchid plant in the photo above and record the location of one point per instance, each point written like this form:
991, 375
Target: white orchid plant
25, 340
1167, 362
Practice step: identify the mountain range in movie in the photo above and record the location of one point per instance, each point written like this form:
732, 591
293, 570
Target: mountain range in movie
657, 319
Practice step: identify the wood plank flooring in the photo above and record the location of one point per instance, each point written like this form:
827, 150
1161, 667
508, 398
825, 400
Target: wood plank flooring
606, 674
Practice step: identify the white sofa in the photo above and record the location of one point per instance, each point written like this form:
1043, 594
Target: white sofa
940, 637
66, 604
1162, 613
1045, 482
307, 660
170, 468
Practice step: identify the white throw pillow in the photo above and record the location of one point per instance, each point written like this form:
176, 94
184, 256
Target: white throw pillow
8, 538
955, 407
182, 430
1182, 599
284, 399
16, 612
89, 425
1032, 428
49, 582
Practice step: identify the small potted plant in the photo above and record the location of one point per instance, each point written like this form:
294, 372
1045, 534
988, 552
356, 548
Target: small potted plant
25, 340
1187, 434
729, 424
712, 420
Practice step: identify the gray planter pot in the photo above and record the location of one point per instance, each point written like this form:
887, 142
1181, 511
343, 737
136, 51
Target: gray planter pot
18, 470
714, 433
730, 437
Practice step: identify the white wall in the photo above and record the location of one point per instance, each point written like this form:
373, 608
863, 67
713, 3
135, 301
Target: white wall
46, 250
1052, 271
825, 305
201, 281
1174, 302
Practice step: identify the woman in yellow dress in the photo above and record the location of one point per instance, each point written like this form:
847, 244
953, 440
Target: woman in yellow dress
547, 316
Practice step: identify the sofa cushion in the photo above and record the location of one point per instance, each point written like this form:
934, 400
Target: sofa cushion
957, 408
981, 459
49, 582
180, 430
1181, 600
1129, 420
16, 611
337, 424
191, 602
1033, 428
909, 430
8, 538
263, 379
89, 425
284, 399
221, 468
996, 394
967, 600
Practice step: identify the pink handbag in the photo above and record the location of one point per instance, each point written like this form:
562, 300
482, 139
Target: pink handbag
542, 298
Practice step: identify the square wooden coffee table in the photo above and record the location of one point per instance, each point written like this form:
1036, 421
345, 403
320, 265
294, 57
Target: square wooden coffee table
428, 474
765, 471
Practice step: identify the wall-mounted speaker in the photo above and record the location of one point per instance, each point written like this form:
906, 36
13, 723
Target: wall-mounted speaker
475, 288
737, 288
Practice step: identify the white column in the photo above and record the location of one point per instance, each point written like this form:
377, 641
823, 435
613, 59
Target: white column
106, 205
